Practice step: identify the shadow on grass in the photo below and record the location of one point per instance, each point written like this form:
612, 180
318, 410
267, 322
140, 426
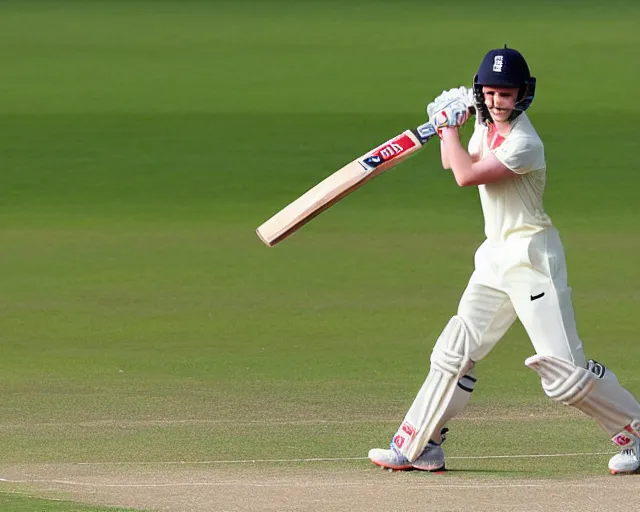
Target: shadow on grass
461, 472
474, 471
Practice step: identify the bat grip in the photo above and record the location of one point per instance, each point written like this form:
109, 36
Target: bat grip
427, 131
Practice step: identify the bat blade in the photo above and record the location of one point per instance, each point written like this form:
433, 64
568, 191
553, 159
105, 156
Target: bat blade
342, 182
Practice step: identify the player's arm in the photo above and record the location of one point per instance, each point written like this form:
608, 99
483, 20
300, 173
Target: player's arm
475, 157
443, 100
467, 172
443, 156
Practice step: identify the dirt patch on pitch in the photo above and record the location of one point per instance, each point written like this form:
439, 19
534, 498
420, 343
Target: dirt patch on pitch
325, 486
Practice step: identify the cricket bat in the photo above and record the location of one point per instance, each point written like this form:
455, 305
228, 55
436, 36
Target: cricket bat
342, 182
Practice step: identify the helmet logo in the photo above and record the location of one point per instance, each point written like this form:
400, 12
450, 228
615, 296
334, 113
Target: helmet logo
497, 64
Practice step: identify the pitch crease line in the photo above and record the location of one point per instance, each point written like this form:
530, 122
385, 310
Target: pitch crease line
339, 459
265, 422
289, 484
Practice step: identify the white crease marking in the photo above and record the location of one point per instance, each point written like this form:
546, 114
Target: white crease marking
266, 422
335, 459
562, 484
291, 484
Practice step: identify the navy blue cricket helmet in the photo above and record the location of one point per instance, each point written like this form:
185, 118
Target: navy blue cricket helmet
504, 67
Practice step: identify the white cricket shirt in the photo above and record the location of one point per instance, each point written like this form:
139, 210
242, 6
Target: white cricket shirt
513, 206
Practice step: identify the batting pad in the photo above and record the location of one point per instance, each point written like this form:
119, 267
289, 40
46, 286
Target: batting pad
449, 361
595, 391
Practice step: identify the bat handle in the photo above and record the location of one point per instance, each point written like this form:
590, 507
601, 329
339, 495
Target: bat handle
425, 132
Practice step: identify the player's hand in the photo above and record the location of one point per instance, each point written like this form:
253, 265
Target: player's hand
461, 93
452, 115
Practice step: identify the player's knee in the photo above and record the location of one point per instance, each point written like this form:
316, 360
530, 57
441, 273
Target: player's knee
451, 351
594, 390
565, 382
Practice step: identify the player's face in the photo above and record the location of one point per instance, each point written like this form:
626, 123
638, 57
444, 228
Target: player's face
500, 101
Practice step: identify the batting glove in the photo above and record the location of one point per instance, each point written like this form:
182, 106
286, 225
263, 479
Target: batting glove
461, 93
452, 115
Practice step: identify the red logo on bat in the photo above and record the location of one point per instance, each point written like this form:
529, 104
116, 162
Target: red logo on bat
388, 151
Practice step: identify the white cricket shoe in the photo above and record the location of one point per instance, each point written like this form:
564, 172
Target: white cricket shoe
627, 461
389, 458
431, 459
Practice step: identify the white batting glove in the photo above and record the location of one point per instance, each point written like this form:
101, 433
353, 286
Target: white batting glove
437, 103
461, 93
454, 114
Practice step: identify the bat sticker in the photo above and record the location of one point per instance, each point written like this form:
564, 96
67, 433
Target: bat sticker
425, 131
388, 151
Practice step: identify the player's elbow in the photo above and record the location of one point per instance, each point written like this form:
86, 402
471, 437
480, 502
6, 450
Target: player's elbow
463, 179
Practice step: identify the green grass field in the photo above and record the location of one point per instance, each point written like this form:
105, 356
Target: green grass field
141, 144
17, 503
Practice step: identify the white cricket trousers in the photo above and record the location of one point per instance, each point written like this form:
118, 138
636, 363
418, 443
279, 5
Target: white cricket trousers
524, 278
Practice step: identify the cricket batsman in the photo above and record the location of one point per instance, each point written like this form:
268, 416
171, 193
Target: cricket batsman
520, 272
